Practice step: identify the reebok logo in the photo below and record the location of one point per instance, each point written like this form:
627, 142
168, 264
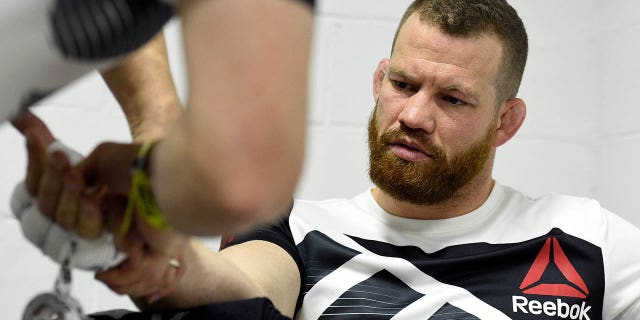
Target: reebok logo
557, 307
551, 308
540, 264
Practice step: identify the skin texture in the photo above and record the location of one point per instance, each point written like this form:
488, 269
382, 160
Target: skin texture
144, 88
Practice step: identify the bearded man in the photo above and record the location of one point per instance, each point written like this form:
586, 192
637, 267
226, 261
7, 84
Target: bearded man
437, 237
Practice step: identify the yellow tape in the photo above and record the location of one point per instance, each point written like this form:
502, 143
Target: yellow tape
141, 196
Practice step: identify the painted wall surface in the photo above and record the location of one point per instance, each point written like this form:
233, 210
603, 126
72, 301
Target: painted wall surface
581, 135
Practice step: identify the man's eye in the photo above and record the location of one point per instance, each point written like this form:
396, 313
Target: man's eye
454, 101
400, 85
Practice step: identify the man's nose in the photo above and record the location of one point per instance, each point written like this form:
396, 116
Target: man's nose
419, 112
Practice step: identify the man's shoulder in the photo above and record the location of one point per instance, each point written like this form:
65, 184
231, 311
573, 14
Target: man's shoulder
330, 204
552, 200
575, 214
331, 216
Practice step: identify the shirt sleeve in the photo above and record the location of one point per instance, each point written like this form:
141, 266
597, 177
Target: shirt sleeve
278, 233
622, 269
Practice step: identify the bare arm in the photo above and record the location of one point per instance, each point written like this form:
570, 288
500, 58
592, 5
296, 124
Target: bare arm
249, 270
252, 269
234, 158
143, 86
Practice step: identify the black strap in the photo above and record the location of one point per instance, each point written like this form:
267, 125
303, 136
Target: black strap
251, 309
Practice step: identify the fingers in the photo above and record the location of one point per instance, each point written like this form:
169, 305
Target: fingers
58, 188
62, 197
38, 138
68, 208
51, 185
132, 270
151, 278
28, 122
109, 164
147, 271
37, 161
90, 222
143, 274
138, 278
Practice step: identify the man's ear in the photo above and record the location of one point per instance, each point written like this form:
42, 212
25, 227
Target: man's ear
510, 118
378, 76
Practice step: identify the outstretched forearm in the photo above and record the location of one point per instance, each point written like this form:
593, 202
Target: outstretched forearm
208, 279
250, 270
143, 86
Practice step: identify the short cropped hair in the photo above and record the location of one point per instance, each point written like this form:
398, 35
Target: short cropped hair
468, 18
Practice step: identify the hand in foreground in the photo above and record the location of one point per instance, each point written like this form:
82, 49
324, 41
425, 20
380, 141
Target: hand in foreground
59, 188
155, 257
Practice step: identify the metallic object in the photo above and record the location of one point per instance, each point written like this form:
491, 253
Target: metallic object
57, 305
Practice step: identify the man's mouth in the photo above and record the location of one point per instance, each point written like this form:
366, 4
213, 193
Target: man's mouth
409, 150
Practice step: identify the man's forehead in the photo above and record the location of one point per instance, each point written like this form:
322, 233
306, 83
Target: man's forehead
478, 56
418, 34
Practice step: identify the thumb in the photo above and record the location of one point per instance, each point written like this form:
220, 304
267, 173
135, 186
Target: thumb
109, 165
28, 122
37, 161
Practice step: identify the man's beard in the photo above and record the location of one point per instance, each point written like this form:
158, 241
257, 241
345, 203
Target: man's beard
430, 181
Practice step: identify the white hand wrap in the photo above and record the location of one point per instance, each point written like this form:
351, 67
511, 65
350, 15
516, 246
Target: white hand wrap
56, 242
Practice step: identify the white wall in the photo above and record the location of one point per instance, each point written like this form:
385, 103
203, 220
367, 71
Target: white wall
618, 174
581, 135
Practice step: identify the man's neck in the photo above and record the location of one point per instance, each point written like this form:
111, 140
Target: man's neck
467, 199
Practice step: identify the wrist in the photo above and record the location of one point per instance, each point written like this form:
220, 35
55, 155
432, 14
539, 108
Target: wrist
154, 124
141, 198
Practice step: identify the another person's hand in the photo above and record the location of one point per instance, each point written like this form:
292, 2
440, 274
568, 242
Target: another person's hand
58, 187
155, 258
63, 194
69, 194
